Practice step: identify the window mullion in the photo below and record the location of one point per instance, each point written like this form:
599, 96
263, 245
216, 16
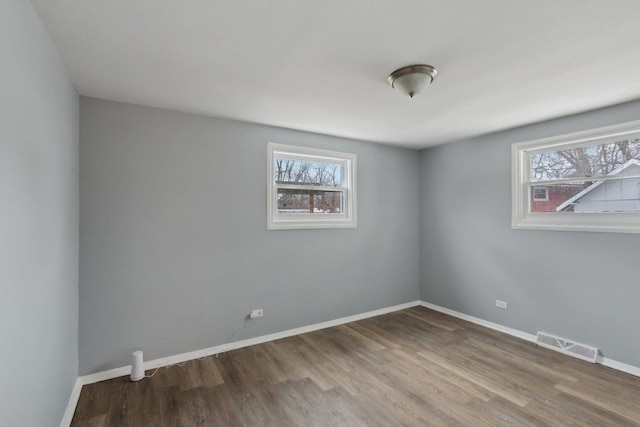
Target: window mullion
308, 187
550, 182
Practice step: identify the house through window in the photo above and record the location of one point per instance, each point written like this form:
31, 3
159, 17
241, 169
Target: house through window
584, 181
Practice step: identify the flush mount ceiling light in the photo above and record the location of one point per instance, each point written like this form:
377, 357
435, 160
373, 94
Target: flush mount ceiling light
413, 79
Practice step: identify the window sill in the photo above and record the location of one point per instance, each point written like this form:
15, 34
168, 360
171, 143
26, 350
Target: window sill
614, 222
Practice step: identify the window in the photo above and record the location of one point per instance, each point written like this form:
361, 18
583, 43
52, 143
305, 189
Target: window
540, 194
310, 188
588, 181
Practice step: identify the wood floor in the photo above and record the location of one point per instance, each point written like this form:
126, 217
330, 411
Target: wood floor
414, 367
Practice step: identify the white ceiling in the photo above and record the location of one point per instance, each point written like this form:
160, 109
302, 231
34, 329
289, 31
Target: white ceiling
322, 65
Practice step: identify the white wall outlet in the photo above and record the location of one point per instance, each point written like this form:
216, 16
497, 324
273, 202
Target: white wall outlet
256, 313
501, 304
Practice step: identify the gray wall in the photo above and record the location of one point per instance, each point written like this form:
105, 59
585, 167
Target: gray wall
38, 223
578, 285
175, 249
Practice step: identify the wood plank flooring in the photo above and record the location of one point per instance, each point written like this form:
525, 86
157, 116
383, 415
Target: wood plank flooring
414, 367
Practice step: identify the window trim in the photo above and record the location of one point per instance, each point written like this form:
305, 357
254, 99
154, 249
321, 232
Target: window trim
521, 218
277, 221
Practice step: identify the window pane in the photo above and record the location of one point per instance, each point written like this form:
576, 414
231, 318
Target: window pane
592, 161
306, 201
600, 196
307, 173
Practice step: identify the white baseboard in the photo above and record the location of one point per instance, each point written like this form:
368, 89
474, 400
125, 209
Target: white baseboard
179, 358
619, 366
73, 402
495, 326
629, 369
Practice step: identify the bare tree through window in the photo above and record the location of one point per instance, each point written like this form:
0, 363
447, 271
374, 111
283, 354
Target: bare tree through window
321, 175
310, 188
564, 174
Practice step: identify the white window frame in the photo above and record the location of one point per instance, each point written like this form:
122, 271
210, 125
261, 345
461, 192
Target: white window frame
521, 218
347, 219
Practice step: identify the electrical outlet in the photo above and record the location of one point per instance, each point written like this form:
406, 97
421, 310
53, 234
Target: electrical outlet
256, 313
501, 304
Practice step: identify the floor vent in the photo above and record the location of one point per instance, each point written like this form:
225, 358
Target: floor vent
571, 348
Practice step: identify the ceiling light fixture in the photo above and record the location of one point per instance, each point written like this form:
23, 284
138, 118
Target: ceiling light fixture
413, 79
